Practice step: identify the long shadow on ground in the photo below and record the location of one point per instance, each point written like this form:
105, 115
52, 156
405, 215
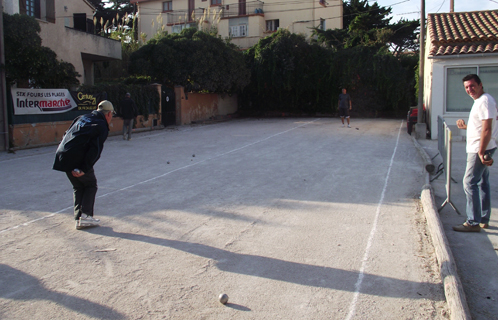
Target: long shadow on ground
18, 285
292, 272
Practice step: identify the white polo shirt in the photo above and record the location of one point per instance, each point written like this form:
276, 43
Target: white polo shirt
483, 108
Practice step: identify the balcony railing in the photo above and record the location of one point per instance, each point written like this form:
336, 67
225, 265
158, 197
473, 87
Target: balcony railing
242, 9
183, 16
227, 11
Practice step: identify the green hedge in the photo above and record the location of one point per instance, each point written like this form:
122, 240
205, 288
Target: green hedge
291, 75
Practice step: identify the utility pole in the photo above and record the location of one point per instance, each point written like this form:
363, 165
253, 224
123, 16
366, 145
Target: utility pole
421, 127
4, 122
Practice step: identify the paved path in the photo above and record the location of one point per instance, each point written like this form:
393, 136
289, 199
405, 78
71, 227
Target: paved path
476, 254
292, 218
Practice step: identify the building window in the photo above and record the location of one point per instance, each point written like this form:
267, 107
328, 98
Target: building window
216, 2
179, 27
272, 25
322, 24
457, 100
238, 31
40, 9
33, 8
168, 6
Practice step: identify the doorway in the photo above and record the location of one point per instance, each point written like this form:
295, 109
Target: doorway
168, 106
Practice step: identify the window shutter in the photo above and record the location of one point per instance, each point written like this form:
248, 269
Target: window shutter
242, 30
50, 9
234, 31
22, 6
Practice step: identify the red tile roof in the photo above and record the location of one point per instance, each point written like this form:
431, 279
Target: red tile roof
463, 32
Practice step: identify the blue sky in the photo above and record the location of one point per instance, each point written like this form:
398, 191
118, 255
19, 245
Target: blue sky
410, 9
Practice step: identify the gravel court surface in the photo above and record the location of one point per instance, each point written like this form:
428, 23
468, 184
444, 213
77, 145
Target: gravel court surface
292, 218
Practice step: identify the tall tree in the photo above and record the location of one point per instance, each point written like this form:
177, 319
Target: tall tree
365, 16
404, 36
369, 25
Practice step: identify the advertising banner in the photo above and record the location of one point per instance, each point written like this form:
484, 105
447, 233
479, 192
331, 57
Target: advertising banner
50, 101
86, 101
42, 101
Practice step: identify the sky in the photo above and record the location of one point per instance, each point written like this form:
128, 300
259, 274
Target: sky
410, 9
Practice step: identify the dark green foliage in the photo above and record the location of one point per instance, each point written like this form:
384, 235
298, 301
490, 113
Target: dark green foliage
379, 83
27, 60
146, 97
53, 73
368, 25
366, 57
359, 15
404, 36
332, 38
292, 75
288, 74
194, 59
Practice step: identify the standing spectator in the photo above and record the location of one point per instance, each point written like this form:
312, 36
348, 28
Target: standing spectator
128, 111
76, 155
344, 106
482, 132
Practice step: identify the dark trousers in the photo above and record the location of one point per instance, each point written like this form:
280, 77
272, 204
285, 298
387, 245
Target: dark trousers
84, 191
127, 127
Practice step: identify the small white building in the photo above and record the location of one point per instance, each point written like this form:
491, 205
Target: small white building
458, 44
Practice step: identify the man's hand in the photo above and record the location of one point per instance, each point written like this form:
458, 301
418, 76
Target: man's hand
77, 173
461, 124
486, 162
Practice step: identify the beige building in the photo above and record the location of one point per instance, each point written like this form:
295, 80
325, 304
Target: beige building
67, 29
245, 22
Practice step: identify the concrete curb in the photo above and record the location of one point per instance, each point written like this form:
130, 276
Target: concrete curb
453, 289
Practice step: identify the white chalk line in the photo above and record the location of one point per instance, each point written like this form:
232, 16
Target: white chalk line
361, 275
164, 174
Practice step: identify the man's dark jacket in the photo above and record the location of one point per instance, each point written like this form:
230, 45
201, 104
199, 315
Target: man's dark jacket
128, 109
82, 143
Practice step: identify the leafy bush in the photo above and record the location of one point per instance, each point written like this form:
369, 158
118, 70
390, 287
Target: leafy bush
193, 59
27, 62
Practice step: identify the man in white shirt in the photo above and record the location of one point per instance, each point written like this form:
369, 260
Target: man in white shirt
482, 132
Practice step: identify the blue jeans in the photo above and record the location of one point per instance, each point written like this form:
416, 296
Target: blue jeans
477, 189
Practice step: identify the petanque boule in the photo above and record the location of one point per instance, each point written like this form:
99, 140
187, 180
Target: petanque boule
223, 298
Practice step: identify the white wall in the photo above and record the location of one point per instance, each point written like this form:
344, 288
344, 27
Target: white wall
435, 94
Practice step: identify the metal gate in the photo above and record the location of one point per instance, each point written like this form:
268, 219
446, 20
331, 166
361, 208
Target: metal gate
168, 106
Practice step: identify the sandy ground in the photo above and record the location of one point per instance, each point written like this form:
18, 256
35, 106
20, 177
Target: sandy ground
292, 218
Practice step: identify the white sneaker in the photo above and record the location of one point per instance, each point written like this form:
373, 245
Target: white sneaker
349, 126
86, 221
343, 124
